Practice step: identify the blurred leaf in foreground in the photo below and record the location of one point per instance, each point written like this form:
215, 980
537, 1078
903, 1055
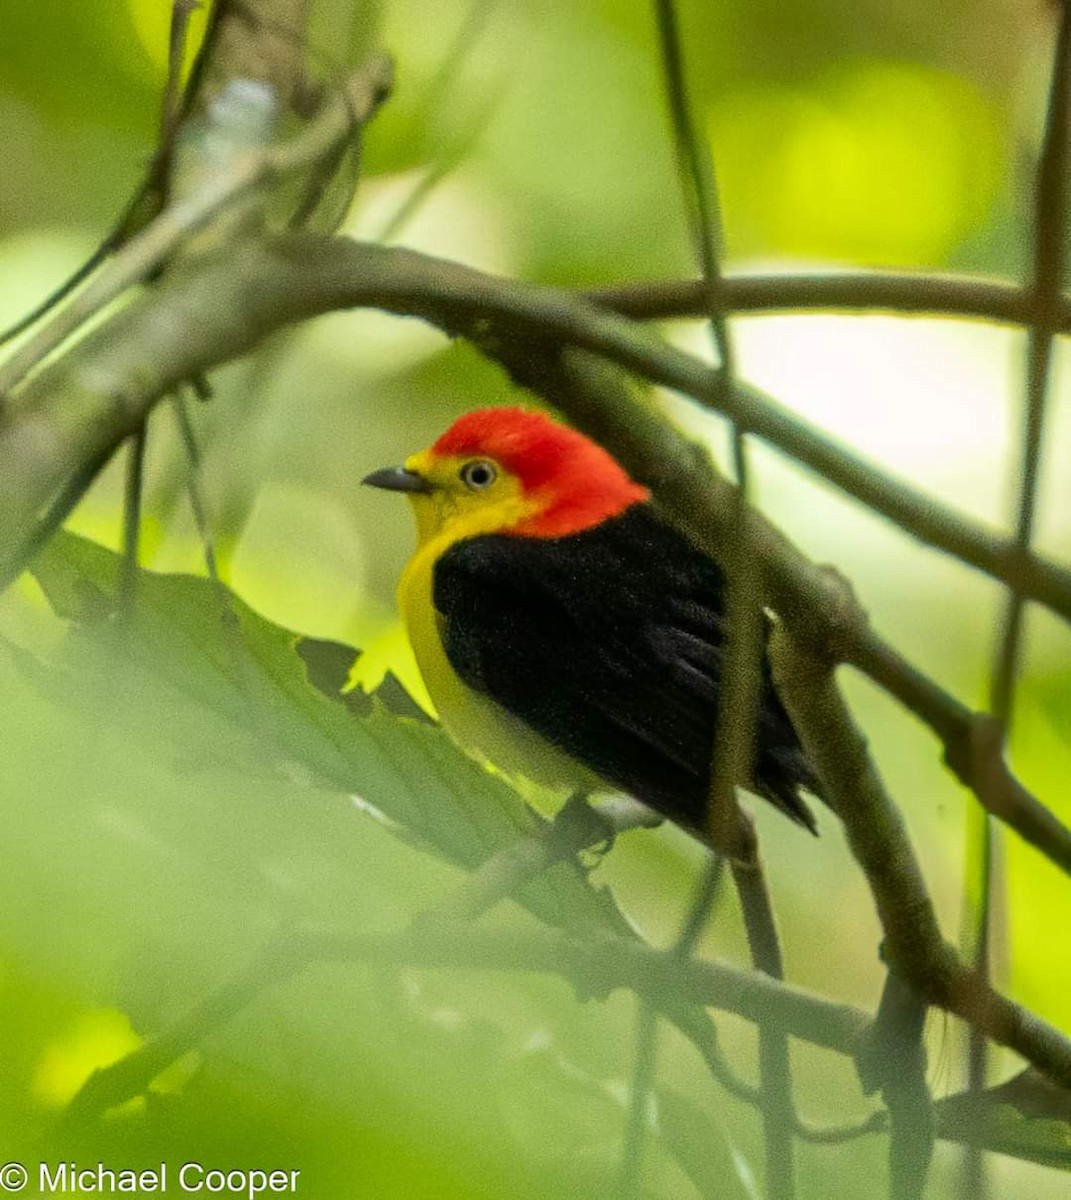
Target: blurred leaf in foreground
191, 639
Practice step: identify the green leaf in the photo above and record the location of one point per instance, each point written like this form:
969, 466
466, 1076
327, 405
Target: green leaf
1028, 1117
189, 646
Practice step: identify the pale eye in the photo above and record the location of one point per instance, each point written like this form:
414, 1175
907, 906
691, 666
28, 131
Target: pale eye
478, 474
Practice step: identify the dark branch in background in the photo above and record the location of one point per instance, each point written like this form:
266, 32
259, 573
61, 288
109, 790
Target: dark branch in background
1050, 228
669, 981
868, 293
731, 833
579, 826
595, 967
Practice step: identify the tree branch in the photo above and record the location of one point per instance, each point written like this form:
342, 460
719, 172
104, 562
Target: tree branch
914, 947
775, 1067
596, 967
263, 40
864, 292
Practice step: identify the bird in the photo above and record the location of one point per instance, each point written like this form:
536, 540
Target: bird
565, 631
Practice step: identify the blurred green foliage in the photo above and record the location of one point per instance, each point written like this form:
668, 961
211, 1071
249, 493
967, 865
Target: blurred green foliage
154, 840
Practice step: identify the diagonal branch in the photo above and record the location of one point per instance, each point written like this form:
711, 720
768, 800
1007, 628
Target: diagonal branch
914, 947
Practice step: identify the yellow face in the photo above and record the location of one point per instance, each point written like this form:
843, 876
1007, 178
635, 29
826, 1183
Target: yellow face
466, 496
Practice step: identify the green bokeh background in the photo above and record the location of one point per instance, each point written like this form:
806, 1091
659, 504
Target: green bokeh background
144, 861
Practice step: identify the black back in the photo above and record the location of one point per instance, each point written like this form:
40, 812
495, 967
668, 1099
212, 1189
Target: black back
610, 643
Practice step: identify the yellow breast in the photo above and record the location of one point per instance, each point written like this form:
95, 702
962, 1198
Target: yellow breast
474, 721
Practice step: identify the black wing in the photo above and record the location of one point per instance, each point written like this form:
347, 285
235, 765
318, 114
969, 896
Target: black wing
610, 644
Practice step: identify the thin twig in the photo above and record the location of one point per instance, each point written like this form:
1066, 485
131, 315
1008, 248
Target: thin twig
472, 28
193, 486
695, 1025
978, 882
256, 708
729, 832
775, 1069
700, 1030
58, 294
156, 173
741, 685
634, 1138
866, 292
52, 520
449, 159
171, 101
1045, 291
132, 497
702, 905
734, 741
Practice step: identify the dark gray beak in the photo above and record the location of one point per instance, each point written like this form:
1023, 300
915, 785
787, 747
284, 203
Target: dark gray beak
397, 479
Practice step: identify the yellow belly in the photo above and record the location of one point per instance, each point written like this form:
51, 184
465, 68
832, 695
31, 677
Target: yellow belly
475, 722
